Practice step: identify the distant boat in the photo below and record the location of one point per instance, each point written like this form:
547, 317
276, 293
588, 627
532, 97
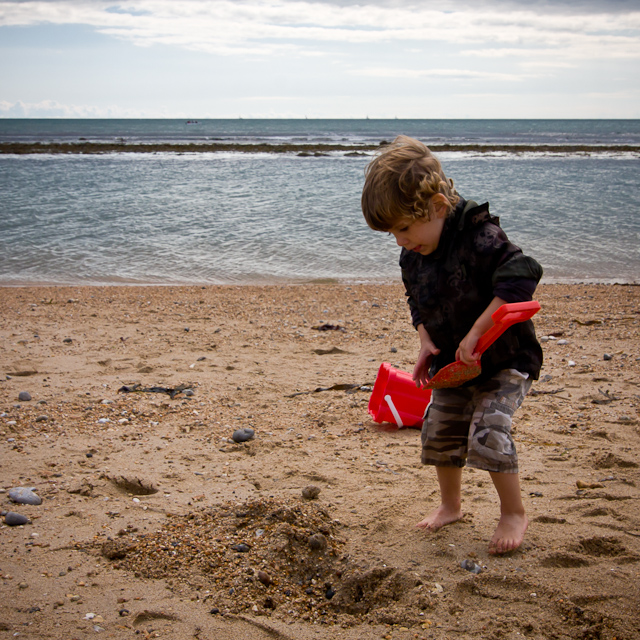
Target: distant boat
192, 122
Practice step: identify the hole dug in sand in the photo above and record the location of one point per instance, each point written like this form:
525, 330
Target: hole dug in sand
134, 486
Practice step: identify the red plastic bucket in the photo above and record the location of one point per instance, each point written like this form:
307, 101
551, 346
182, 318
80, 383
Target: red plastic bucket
396, 399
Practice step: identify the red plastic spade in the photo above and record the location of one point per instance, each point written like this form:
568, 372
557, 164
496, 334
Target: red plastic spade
457, 373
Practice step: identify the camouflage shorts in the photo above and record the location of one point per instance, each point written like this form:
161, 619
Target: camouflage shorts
472, 425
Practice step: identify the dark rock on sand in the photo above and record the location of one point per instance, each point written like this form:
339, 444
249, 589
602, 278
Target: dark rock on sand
14, 519
317, 542
24, 495
243, 435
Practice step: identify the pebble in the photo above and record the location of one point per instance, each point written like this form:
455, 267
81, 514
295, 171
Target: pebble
241, 548
264, 577
470, 565
24, 396
607, 356
242, 435
311, 492
581, 484
24, 495
317, 542
14, 519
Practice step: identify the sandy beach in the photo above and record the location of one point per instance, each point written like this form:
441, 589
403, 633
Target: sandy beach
118, 406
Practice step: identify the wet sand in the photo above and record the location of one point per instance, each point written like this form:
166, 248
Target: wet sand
155, 523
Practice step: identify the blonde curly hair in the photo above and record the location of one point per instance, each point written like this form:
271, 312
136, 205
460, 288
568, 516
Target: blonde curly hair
400, 182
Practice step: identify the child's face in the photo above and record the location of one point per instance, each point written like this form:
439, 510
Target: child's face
421, 236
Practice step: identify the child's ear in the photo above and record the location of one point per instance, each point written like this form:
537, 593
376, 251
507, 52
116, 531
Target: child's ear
440, 205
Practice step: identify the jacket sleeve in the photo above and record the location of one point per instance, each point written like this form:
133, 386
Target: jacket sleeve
516, 279
415, 316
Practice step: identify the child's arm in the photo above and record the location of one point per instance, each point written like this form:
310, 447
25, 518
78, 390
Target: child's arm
427, 351
466, 350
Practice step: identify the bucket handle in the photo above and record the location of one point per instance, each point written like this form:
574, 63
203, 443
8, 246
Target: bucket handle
394, 411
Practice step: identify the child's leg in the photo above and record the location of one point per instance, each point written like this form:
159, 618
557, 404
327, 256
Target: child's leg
444, 444
491, 447
513, 523
450, 480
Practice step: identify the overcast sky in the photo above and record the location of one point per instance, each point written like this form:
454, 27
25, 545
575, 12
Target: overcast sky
320, 58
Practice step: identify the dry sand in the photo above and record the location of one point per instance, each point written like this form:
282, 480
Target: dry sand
146, 500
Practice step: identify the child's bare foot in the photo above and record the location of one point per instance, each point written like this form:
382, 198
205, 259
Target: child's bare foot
442, 516
509, 534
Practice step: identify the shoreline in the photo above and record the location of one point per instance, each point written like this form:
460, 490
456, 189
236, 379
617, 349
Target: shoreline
29, 148
340, 282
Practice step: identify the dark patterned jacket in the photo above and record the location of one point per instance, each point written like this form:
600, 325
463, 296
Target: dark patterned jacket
450, 288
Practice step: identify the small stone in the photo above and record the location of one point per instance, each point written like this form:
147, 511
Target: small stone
42, 418
563, 342
243, 435
24, 495
607, 356
68, 340
264, 577
393, 350
14, 519
189, 392
317, 542
311, 492
24, 396
23, 585
124, 612
581, 484
329, 593
471, 566
241, 548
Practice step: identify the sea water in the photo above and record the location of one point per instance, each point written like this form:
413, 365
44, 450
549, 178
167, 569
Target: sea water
199, 218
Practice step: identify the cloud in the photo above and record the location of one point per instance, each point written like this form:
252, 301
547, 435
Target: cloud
55, 109
282, 27
449, 74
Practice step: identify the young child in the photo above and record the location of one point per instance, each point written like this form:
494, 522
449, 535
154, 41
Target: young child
458, 267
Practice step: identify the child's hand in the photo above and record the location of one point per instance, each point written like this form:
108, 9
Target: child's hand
466, 351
